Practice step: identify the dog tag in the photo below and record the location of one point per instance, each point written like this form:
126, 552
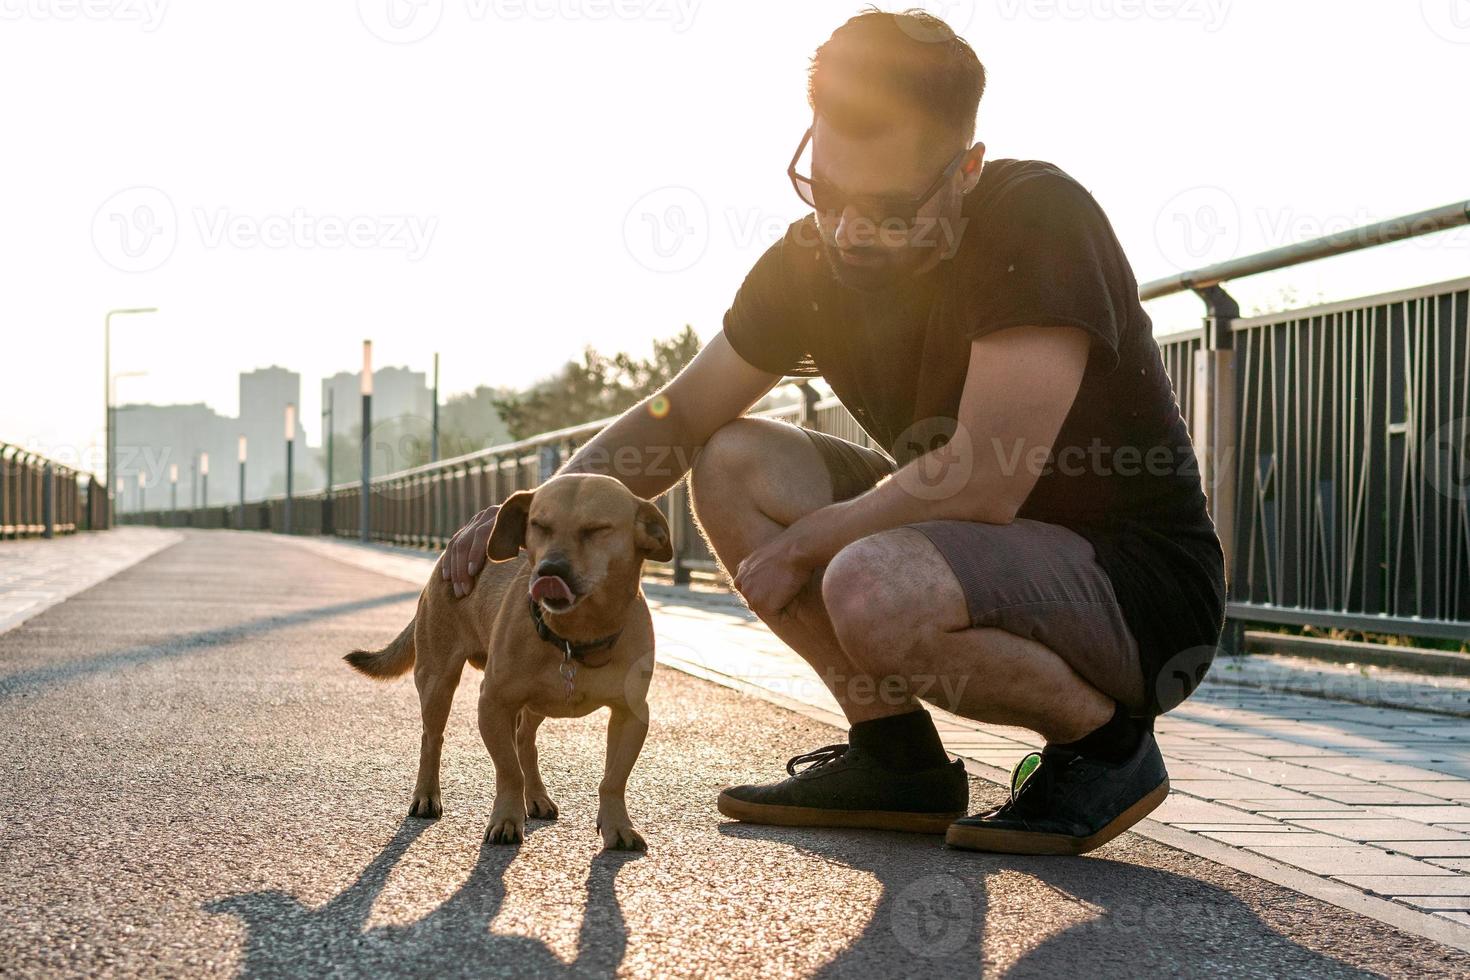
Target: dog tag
569, 671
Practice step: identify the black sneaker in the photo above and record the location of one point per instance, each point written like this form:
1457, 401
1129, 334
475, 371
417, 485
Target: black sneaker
1064, 803
841, 787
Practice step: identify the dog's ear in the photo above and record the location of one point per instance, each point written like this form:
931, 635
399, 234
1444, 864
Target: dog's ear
508, 533
651, 531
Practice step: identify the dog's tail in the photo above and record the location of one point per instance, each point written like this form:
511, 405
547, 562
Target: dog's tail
392, 660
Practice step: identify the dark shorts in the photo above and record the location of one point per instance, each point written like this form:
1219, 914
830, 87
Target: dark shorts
1032, 578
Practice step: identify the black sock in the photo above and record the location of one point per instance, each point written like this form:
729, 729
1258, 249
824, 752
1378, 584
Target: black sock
1113, 741
907, 742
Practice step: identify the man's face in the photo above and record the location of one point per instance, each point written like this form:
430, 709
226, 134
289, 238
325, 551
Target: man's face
864, 251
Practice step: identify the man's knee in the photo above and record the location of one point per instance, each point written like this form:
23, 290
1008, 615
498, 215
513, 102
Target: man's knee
890, 595
871, 609
719, 462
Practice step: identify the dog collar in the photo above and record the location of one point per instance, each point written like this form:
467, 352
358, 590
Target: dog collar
575, 651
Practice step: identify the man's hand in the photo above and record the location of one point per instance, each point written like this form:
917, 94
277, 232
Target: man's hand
771, 576
466, 552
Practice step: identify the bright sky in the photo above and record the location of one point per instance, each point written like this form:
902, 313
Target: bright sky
504, 181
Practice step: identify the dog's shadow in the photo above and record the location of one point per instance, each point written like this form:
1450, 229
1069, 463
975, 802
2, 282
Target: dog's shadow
287, 938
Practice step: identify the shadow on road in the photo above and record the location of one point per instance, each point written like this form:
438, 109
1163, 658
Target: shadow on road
1082, 916
286, 938
184, 644
1046, 917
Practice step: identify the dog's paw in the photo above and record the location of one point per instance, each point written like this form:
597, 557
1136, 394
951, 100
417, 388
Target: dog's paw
426, 806
622, 838
541, 807
505, 830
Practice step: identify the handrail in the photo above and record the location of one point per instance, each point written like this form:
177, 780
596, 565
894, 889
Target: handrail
20, 454
1380, 233
41, 497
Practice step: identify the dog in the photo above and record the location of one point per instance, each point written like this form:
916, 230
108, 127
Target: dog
559, 633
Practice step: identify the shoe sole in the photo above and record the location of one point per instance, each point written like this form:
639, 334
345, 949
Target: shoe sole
806, 816
1002, 841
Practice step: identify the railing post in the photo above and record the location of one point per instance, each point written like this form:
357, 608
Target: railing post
48, 500
678, 499
1214, 428
808, 414
4, 495
549, 461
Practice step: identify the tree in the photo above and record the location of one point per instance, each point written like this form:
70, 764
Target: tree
595, 388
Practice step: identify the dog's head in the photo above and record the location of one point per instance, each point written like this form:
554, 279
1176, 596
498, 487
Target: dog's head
586, 536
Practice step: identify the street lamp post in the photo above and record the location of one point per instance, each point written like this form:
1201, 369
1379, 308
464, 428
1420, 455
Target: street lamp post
434, 442
364, 494
173, 494
204, 480
241, 518
329, 421
290, 453
108, 422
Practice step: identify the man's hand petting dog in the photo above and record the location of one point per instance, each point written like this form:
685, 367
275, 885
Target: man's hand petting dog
465, 555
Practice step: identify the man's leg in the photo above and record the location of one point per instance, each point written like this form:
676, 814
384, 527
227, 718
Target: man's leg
753, 479
1011, 624
900, 612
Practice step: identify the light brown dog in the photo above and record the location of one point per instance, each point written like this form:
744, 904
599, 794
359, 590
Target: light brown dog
559, 633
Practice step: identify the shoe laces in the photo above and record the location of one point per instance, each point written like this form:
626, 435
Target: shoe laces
816, 758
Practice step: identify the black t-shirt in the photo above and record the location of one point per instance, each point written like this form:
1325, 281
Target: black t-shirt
1036, 250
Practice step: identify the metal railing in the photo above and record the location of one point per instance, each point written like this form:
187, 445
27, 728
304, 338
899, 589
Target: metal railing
40, 497
1352, 464
422, 507
1332, 442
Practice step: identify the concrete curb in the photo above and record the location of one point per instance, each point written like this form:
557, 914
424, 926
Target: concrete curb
1355, 652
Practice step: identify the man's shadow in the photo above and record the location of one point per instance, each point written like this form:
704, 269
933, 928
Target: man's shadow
286, 938
1080, 916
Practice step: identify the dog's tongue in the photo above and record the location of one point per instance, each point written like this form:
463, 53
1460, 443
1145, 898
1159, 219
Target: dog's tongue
550, 587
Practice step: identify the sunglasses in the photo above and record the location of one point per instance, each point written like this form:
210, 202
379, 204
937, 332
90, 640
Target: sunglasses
828, 199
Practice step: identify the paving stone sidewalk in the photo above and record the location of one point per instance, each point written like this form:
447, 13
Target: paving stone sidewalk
37, 573
1363, 800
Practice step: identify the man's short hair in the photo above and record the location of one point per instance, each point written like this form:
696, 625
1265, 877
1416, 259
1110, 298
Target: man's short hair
881, 65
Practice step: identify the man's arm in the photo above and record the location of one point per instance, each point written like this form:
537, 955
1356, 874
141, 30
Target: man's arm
1020, 385
651, 445
648, 447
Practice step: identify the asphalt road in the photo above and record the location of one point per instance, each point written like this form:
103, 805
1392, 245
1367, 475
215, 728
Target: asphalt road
195, 783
